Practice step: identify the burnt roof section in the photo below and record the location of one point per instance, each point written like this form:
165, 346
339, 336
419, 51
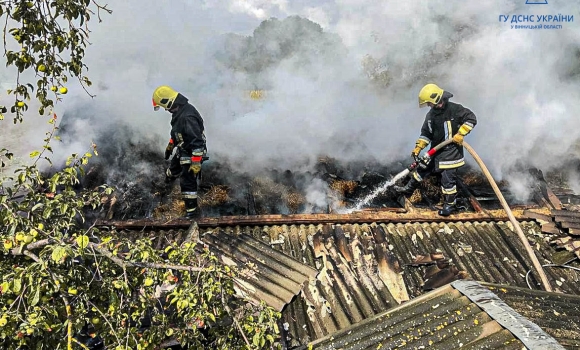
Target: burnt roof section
462, 314
364, 267
556, 313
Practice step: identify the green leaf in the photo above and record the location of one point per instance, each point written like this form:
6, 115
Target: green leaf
82, 241
34, 154
58, 254
16, 285
39, 205
36, 296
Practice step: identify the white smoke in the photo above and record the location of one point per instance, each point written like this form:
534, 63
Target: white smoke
521, 84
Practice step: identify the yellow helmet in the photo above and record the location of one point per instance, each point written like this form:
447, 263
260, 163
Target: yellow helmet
164, 96
430, 93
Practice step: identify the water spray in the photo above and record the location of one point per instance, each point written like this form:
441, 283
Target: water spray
420, 162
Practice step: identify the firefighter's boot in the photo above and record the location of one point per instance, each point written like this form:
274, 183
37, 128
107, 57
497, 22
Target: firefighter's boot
192, 210
449, 205
409, 188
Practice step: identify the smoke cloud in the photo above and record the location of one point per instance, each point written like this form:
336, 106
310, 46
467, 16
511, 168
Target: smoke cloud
341, 79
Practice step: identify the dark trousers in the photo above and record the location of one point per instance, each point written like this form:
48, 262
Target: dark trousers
448, 180
187, 179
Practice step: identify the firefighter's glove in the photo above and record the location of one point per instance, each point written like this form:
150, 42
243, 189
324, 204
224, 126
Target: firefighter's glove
195, 166
458, 139
169, 149
169, 176
463, 130
419, 145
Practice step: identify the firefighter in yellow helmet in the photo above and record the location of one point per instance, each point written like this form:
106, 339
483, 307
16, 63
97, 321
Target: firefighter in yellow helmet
445, 120
186, 144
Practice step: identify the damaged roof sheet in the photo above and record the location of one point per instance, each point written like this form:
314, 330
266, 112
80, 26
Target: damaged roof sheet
265, 273
463, 314
367, 268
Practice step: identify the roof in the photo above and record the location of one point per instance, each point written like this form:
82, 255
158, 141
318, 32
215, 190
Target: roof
556, 313
463, 314
264, 273
352, 268
365, 269
364, 266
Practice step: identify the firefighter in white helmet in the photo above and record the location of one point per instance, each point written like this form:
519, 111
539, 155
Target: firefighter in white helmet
445, 120
187, 135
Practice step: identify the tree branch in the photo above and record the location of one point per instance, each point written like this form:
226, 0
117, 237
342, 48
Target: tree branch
64, 298
27, 248
122, 263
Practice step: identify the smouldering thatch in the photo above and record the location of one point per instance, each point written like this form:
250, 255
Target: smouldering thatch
215, 196
174, 208
294, 201
269, 194
343, 187
416, 197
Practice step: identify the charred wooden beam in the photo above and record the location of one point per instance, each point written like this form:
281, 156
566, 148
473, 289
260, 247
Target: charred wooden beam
551, 228
472, 200
541, 218
541, 200
567, 213
568, 224
298, 219
550, 196
559, 218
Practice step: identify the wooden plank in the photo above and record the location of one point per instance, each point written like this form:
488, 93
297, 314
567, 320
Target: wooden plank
306, 219
550, 196
541, 218
554, 199
574, 231
569, 213
574, 225
551, 229
472, 200
559, 218
542, 202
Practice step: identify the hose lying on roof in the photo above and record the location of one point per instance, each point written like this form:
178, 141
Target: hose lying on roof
513, 220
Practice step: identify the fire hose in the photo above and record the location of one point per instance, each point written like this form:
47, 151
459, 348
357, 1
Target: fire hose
513, 220
424, 160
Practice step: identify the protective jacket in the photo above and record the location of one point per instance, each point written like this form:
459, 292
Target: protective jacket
187, 130
440, 125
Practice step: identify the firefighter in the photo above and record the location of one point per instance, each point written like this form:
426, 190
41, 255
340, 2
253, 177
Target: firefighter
187, 136
445, 120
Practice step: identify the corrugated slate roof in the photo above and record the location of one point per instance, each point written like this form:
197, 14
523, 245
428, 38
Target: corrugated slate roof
366, 269
266, 273
353, 258
463, 314
556, 313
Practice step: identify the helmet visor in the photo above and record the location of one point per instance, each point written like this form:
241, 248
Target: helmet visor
155, 105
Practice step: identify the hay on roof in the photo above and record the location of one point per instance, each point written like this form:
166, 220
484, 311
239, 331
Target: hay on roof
215, 196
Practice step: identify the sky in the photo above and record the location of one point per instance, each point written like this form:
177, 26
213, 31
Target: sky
521, 84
